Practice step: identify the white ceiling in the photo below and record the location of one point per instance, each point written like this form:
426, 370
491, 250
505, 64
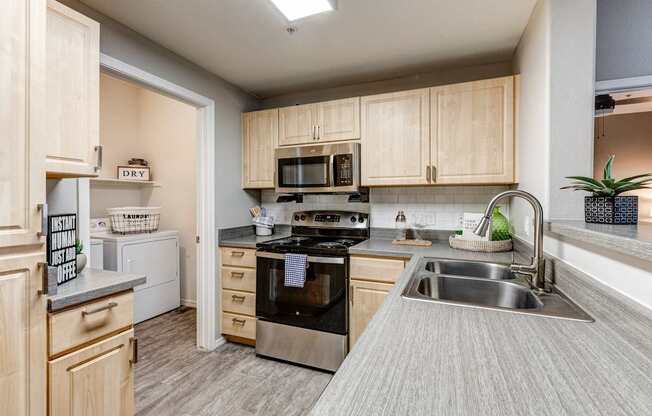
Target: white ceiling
246, 43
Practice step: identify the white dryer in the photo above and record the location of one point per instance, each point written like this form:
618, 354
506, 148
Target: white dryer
154, 254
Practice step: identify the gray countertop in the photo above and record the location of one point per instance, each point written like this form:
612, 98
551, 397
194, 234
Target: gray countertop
441, 249
250, 241
418, 358
92, 284
632, 240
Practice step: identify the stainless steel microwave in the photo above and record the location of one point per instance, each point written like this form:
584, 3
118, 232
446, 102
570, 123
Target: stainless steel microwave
328, 168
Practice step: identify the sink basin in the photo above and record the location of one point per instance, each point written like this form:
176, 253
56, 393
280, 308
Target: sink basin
470, 269
486, 286
480, 292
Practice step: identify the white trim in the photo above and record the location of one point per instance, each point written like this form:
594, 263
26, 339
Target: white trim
206, 250
220, 341
623, 84
188, 303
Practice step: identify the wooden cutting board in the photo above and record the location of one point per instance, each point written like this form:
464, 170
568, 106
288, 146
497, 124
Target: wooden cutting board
421, 243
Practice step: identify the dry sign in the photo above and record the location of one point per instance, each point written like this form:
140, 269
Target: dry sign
133, 173
62, 231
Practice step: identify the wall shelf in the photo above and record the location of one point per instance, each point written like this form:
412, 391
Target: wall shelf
152, 184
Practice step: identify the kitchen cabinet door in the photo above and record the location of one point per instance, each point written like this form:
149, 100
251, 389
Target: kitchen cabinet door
472, 130
338, 120
73, 71
23, 354
297, 125
364, 300
395, 138
97, 380
22, 95
259, 140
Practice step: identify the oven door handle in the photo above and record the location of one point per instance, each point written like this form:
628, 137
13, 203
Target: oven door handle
311, 259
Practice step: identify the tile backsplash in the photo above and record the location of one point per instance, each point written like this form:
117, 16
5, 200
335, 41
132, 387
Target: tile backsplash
437, 208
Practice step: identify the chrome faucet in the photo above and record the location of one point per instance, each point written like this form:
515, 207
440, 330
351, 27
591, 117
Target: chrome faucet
536, 269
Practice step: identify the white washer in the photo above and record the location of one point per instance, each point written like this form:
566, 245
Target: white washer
154, 254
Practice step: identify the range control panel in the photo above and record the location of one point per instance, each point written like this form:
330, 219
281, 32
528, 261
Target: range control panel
331, 219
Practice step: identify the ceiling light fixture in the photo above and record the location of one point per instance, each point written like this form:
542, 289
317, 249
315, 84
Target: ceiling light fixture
298, 9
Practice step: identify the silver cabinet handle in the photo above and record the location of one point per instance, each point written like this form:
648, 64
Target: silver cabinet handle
318, 134
43, 208
428, 174
238, 298
106, 307
98, 150
44, 279
434, 173
237, 253
314, 132
238, 322
134, 345
237, 274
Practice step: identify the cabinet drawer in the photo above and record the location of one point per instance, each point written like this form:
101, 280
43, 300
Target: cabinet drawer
239, 325
239, 279
239, 302
242, 257
376, 269
81, 324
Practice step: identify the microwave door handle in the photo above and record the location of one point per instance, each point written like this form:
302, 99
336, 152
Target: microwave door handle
333, 173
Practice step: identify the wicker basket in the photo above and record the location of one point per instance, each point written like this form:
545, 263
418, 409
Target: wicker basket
480, 245
132, 220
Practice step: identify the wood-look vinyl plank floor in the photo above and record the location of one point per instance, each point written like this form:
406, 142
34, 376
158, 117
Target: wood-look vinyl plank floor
174, 378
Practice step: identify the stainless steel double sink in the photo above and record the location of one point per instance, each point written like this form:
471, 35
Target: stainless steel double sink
487, 286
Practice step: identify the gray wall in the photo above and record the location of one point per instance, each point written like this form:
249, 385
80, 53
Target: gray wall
430, 79
122, 43
624, 37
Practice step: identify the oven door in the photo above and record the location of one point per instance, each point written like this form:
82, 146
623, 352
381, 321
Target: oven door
320, 305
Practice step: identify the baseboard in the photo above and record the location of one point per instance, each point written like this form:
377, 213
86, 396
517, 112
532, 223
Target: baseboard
189, 303
220, 341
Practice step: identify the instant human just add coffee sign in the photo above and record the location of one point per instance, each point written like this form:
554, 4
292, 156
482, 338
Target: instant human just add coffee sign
62, 233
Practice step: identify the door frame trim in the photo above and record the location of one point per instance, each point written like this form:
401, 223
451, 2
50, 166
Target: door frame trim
205, 209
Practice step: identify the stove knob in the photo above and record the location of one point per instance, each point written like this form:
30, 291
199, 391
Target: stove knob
361, 219
296, 218
353, 219
303, 218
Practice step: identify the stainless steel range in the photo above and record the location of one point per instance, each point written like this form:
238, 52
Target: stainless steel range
308, 325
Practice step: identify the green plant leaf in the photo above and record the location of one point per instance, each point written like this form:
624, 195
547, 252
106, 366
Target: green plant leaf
586, 179
608, 166
631, 178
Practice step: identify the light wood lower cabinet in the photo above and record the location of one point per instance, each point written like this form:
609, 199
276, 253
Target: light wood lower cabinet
92, 355
97, 380
365, 299
371, 280
238, 283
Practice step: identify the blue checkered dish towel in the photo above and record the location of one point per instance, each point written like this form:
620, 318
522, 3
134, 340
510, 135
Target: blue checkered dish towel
295, 269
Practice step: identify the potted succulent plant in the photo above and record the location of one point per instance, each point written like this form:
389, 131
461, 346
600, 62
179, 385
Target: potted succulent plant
606, 204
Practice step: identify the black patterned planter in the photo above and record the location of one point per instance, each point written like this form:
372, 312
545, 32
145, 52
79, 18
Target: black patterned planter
611, 210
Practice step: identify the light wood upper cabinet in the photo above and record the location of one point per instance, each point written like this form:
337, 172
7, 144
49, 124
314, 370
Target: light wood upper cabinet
97, 380
73, 71
328, 121
395, 138
338, 120
259, 139
297, 125
365, 298
472, 132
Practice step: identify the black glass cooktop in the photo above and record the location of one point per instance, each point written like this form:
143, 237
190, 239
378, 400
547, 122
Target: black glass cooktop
310, 245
